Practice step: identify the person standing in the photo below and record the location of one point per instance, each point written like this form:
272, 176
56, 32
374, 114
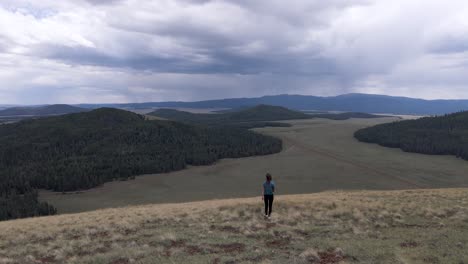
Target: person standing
268, 192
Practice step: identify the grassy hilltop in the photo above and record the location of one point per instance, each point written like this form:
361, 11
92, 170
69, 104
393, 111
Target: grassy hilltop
413, 226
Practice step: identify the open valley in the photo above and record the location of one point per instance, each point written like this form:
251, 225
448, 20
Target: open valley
318, 155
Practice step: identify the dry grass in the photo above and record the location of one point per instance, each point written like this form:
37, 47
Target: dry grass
414, 226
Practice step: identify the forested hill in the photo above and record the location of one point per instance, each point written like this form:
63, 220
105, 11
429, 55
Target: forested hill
430, 135
253, 114
345, 116
84, 150
57, 109
266, 113
260, 115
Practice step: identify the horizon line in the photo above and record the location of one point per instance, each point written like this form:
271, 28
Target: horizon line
231, 98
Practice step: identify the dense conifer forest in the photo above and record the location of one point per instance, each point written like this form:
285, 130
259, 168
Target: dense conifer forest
441, 135
84, 150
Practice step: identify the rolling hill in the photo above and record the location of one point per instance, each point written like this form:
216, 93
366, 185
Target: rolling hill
253, 114
83, 150
257, 116
47, 110
345, 116
266, 113
412, 226
442, 135
365, 103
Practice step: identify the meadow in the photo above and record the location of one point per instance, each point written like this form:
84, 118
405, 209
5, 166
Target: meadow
318, 155
408, 226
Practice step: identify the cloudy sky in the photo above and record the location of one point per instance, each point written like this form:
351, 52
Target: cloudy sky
96, 51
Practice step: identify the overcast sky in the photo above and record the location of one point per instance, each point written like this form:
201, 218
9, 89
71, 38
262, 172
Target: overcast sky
96, 51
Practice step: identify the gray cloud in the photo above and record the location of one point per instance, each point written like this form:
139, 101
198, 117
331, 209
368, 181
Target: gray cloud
192, 49
102, 2
3, 44
451, 44
204, 47
222, 61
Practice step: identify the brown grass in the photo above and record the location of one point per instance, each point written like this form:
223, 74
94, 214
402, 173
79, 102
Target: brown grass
413, 226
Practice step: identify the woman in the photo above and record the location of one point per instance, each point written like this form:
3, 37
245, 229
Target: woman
268, 191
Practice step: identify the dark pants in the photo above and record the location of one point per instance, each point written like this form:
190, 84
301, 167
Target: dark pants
268, 199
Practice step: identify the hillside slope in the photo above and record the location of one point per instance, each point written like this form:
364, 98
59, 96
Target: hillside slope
93, 147
414, 226
442, 135
84, 150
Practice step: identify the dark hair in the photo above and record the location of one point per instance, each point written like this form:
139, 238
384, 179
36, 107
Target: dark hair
268, 176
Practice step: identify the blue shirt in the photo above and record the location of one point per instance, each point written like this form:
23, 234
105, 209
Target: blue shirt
268, 188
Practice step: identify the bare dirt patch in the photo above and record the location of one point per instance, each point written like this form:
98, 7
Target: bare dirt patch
194, 250
330, 257
231, 248
224, 228
121, 261
47, 259
409, 244
278, 243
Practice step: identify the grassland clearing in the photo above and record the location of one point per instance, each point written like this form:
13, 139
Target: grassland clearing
318, 155
408, 226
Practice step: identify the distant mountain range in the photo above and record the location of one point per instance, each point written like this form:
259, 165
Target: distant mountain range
4, 106
363, 103
366, 103
45, 110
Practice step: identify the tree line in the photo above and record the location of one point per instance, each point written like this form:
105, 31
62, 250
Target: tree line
84, 150
440, 135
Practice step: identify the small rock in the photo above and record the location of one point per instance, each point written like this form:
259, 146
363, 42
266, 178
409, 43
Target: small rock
132, 244
339, 252
310, 255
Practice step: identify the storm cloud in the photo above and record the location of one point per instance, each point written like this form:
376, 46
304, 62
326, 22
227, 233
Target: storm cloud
90, 51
